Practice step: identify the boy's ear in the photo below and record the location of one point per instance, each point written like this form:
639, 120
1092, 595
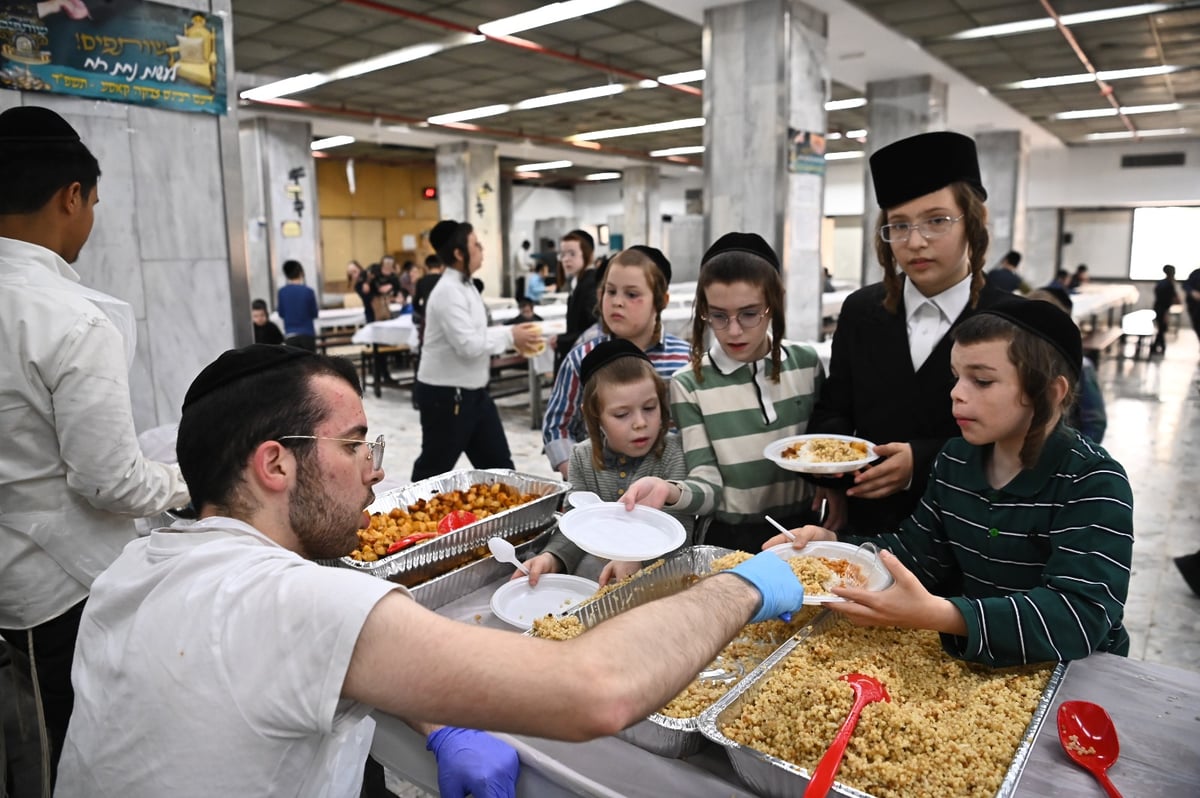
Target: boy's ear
1059, 388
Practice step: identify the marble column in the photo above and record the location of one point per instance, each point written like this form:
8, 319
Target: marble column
643, 217
272, 152
468, 177
896, 109
764, 168
1004, 166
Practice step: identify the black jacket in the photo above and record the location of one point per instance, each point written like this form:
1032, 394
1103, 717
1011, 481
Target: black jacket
581, 312
872, 392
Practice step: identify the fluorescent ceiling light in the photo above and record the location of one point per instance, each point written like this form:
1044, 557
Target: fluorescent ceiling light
691, 76
1128, 110
843, 156
603, 176
1087, 77
1126, 134
537, 167
282, 88
607, 90
667, 153
1045, 23
842, 105
636, 130
856, 134
546, 15
832, 136
470, 113
332, 141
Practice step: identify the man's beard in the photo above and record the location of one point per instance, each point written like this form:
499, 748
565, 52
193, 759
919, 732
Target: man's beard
324, 528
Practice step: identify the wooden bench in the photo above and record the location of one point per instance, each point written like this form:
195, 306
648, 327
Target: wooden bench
1098, 341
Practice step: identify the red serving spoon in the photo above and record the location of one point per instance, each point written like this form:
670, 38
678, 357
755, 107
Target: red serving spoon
1092, 729
867, 690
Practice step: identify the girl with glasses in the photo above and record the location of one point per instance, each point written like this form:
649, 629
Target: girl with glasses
750, 387
889, 374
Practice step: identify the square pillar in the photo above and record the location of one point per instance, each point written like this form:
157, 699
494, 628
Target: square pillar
643, 217
468, 183
1003, 165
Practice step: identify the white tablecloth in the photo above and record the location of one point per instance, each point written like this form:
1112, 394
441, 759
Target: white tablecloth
1094, 299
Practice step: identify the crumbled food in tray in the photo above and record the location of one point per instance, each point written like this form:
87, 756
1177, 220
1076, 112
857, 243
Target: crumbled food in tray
826, 450
816, 574
423, 516
951, 728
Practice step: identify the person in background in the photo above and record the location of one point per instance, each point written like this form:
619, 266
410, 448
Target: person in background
597, 328
1166, 294
526, 313
384, 288
354, 275
1191, 298
457, 414
239, 666
893, 338
828, 284
626, 412
576, 251
748, 388
535, 283
1078, 279
72, 475
635, 291
408, 280
1061, 278
1020, 549
265, 331
1087, 413
297, 306
1005, 278
433, 271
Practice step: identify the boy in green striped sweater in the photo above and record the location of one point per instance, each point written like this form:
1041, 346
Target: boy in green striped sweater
1020, 548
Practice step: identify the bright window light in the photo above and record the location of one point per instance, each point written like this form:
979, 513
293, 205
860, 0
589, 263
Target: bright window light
591, 93
546, 15
1045, 23
636, 130
842, 105
1127, 134
691, 76
332, 141
1128, 110
1086, 77
539, 167
603, 176
667, 153
843, 156
470, 113
1162, 236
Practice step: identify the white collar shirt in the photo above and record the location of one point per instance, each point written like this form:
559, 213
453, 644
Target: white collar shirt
930, 318
72, 477
459, 344
760, 370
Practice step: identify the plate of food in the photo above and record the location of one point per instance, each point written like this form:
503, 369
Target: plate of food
825, 564
820, 453
608, 530
518, 604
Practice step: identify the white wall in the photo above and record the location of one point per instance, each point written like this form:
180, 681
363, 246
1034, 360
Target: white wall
530, 203
1092, 177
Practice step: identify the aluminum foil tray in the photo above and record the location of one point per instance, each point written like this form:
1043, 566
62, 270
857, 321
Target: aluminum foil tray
658, 734
448, 552
772, 777
442, 590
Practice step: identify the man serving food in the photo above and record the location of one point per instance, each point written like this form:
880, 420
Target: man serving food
241, 667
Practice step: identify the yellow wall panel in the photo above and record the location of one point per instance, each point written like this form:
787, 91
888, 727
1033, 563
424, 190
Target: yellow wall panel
368, 198
333, 193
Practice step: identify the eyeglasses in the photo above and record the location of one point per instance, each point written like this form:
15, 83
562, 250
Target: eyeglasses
375, 450
746, 319
935, 227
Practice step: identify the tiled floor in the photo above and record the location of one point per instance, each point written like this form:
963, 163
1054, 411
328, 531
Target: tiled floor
1153, 430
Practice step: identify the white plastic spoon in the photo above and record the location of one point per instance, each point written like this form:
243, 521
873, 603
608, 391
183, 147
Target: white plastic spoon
503, 551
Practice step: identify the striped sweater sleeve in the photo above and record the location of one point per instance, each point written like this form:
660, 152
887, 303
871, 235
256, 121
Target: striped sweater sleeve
700, 493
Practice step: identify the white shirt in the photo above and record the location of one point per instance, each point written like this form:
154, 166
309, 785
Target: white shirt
210, 662
930, 318
72, 477
458, 342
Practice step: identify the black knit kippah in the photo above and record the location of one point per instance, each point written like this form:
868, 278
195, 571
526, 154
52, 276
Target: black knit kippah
442, 233
655, 254
1046, 321
606, 352
586, 236
752, 243
30, 124
921, 164
235, 364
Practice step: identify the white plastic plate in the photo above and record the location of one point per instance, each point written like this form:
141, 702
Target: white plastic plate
608, 530
774, 452
878, 576
518, 604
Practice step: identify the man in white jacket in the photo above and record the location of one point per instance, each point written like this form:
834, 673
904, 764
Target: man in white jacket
72, 478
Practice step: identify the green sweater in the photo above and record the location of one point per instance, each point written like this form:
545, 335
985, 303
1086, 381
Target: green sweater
1039, 568
728, 419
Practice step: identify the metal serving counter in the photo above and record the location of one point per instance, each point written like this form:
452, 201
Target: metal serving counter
1156, 710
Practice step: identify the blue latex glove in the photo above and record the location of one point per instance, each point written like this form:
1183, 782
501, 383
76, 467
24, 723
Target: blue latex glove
473, 762
773, 578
